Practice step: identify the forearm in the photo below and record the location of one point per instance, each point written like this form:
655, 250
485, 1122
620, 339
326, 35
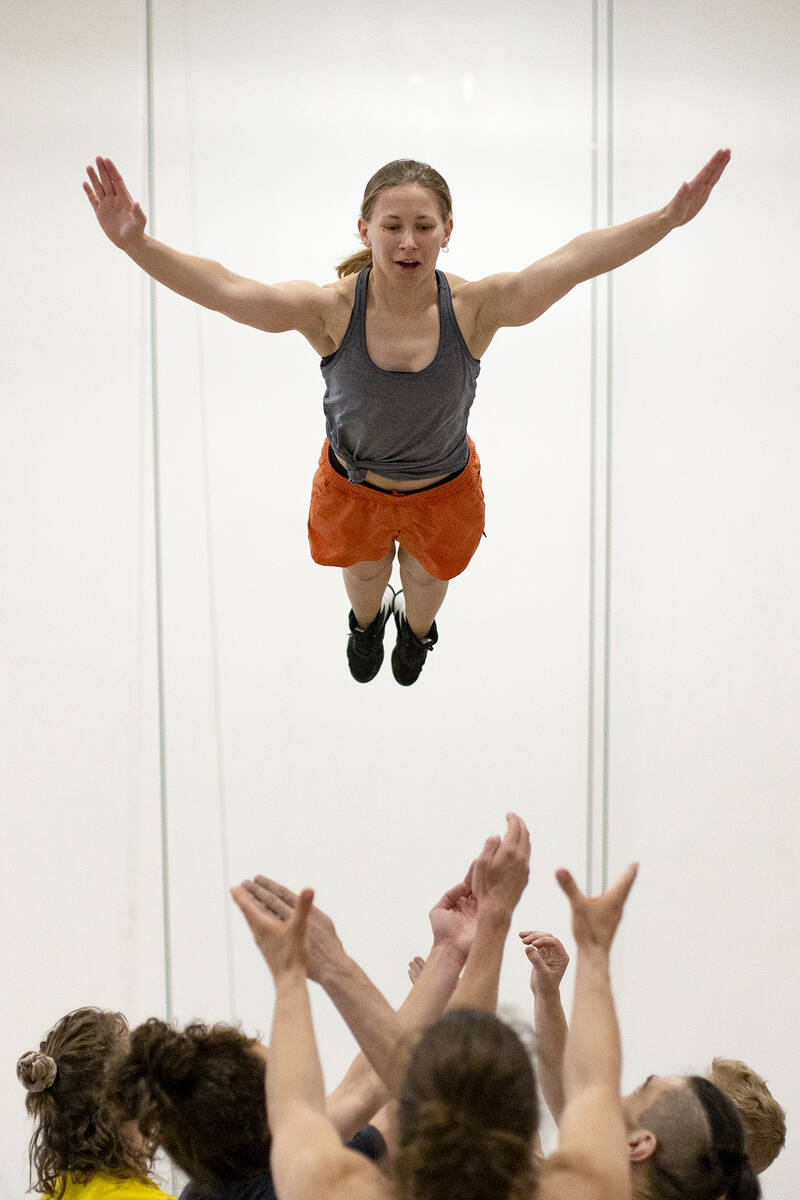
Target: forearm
199, 279
479, 984
371, 1019
592, 1055
429, 996
294, 1074
551, 1038
518, 298
602, 250
356, 1099
362, 1092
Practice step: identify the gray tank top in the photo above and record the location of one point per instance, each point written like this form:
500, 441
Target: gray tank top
401, 424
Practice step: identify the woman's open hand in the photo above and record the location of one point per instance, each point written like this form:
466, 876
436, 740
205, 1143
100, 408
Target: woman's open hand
120, 216
690, 197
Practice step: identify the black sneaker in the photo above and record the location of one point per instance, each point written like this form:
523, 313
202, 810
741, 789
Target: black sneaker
365, 646
410, 652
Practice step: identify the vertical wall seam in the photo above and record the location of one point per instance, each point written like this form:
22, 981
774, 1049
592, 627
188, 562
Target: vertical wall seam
593, 320
210, 562
162, 744
609, 439
600, 473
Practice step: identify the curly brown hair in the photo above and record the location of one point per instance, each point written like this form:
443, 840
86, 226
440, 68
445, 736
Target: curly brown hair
467, 1113
200, 1094
78, 1132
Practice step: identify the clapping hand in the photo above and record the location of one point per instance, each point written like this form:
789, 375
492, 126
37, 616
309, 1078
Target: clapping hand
454, 917
324, 946
282, 942
500, 872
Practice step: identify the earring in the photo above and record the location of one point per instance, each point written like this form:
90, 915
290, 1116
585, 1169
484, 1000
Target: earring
445, 248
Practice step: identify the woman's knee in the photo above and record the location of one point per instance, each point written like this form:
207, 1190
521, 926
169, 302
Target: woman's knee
414, 570
364, 571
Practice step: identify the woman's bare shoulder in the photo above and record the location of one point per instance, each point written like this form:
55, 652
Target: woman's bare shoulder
338, 1173
468, 294
456, 281
341, 289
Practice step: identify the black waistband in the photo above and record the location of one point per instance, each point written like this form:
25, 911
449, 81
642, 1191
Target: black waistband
339, 469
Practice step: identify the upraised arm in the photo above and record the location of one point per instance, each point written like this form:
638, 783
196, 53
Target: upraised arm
382, 1033
372, 1020
497, 879
274, 308
307, 1156
517, 298
549, 961
591, 1162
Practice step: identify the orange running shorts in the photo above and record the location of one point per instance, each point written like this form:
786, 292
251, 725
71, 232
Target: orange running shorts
441, 526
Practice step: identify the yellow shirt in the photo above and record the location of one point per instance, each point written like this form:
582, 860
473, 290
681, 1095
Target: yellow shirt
111, 1187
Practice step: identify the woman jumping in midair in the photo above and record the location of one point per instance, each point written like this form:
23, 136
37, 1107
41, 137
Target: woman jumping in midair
401, 344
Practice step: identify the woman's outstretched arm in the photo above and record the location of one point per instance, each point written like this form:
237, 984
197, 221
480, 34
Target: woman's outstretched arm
274, 308
517, 298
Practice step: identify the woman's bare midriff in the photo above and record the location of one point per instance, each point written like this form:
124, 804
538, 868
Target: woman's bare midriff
397, 485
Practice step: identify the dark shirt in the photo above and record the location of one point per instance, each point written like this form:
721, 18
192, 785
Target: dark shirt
368, 1141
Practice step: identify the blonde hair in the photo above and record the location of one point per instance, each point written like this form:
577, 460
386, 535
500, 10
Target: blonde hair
763, 1118
395, 174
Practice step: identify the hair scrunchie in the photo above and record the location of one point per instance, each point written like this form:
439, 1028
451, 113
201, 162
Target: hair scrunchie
36, 1071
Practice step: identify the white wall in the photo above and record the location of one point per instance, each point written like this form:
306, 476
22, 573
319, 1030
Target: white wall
705, 660
81, 878
267, 122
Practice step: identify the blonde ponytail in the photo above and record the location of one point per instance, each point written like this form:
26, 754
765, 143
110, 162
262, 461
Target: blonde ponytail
355, 263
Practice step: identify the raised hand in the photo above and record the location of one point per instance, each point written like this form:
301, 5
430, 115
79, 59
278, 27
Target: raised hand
283, 943
500, 872
454, 917
324, 946
496, 879
120, 216
415, 968
595, 919
548, 959
690, 197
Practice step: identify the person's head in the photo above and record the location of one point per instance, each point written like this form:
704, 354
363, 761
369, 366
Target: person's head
77, 1130
406, 216
686, 1142
763, 1118
467, 1113
198, 1093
